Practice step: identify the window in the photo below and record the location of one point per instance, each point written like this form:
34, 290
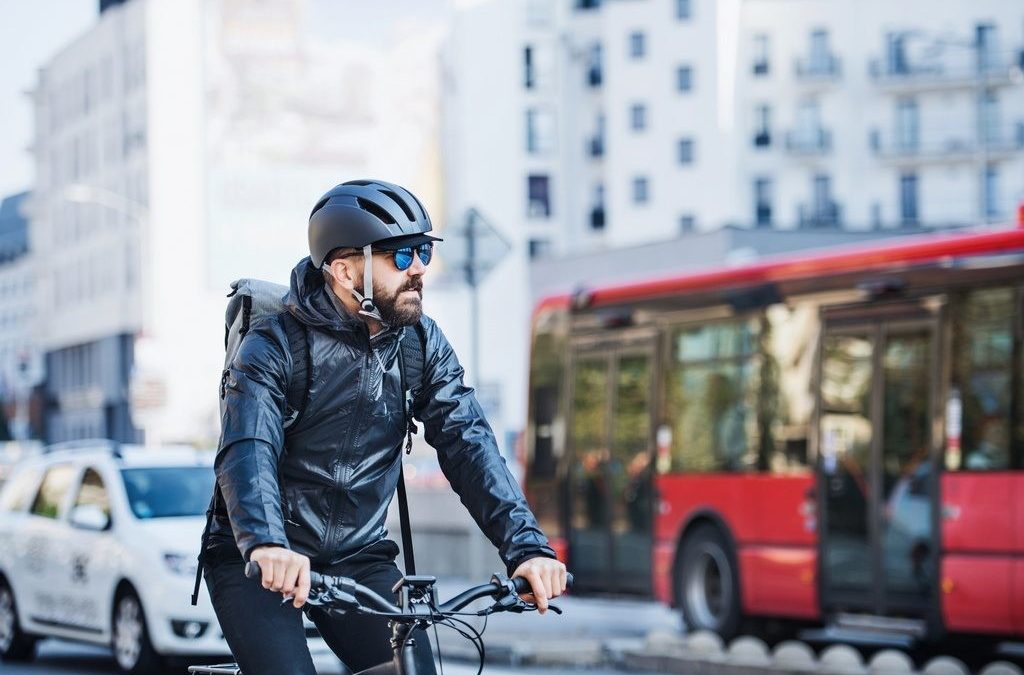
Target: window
588, 4
685, 151
763, 130
19, 491
597, 210
987, 46
988, 118
821, 59
93, 492
684, 78
687, 223
907, 126
711, 398
528, 75
538, 200
990, 191
896, 53
638, 117
763, 202
168, 492
684, 10
761, 62
539, 248
637, 45
640, 190
908, 199
540, 131
594, 68
53, 490
982, 380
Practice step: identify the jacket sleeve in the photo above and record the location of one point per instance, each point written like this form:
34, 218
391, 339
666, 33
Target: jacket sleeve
252, 439
455, 426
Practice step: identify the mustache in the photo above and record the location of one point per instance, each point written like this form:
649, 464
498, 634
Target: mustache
416, 285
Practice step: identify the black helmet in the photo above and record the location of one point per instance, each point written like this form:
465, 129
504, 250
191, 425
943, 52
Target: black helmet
363, 212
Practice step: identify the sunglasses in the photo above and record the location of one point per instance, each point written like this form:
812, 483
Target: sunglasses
403, 256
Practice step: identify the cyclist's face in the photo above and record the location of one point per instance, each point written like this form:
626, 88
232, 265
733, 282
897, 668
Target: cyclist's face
398, 294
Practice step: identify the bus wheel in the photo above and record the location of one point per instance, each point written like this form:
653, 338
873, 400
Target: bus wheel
707, 583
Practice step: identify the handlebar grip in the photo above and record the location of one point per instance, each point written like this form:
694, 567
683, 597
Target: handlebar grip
523, 586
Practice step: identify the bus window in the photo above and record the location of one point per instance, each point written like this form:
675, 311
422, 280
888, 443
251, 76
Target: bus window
545, 442
983, 337
788, 344
712, 397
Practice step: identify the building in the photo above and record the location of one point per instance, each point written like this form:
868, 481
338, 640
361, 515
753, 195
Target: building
20, 365
642, 120
179, 145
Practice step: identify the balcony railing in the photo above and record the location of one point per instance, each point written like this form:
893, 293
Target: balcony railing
997, 143
818, 68
997, 71
813, 216
809, 142
762, 139
597, 218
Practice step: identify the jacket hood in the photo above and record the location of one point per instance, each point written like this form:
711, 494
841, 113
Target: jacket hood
308, 301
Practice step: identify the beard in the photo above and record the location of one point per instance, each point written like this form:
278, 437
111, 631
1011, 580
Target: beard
394, 308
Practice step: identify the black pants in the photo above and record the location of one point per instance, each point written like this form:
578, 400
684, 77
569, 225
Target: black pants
267, 637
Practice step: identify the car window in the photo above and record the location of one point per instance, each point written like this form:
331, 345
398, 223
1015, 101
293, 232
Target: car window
52, 491
167, 492
93, 492
18, 492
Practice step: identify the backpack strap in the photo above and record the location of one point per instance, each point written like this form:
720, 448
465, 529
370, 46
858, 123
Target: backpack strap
411, 359
297, 395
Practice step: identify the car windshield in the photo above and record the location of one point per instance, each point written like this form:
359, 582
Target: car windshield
168, 492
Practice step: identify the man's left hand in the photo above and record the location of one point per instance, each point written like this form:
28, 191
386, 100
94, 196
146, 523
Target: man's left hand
547, 578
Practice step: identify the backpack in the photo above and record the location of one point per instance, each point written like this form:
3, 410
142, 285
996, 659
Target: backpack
252, 300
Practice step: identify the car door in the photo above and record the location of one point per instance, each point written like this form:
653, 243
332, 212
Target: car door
14, 503
45, 554
92, 552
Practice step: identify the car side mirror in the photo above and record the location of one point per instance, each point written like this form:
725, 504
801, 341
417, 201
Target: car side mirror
90, 517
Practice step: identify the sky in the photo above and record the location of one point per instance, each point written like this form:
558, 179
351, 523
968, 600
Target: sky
32, 31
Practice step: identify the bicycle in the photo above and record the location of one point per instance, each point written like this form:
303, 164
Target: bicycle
417, 608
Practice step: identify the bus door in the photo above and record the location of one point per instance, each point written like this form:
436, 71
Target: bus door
610, 478
877, 466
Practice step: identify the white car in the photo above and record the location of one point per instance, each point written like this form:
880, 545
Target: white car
98, 544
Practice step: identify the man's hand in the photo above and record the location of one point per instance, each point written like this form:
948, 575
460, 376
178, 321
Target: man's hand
547, 579
283, 571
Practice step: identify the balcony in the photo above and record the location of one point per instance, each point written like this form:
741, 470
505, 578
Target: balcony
595, 146
820, 69
1001, 143
935, 74
809, 142
763, 215
763, 139
594, 77
815, 216
597, 218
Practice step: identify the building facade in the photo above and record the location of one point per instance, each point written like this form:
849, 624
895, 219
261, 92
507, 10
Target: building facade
646, 119
180, 145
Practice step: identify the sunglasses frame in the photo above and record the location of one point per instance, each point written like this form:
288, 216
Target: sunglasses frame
410, 251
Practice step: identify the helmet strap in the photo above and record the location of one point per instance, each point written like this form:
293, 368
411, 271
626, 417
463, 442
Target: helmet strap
366, 306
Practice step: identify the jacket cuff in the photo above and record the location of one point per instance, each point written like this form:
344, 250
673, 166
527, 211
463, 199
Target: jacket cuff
246, 552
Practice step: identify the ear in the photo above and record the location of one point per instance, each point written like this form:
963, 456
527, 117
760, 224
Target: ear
345, 271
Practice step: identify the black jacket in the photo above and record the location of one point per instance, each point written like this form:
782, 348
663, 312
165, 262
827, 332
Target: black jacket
323, 488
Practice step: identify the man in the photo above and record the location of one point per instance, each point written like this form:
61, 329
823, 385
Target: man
318, 497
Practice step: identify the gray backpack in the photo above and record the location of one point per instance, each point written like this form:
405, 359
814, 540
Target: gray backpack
252, 300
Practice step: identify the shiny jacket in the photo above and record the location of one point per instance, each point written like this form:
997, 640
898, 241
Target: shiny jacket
323, 488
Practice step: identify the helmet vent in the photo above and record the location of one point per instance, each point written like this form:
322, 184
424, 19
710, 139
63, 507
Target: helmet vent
376, 210
401, 203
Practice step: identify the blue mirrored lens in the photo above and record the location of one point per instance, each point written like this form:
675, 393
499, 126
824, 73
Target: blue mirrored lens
425, 251
403, 258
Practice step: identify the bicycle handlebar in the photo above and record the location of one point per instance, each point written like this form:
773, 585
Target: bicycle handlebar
346, 592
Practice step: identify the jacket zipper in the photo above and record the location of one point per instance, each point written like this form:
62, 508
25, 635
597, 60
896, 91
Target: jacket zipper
334, 518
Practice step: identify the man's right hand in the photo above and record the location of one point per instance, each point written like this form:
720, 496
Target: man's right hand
283, 571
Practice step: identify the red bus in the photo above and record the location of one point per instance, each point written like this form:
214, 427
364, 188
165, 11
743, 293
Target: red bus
834, 437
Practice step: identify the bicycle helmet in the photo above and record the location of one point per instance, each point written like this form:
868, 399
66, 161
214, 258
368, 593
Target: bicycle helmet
361, 214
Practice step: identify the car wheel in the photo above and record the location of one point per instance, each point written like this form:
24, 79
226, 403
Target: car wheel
15, 645
132, 649
708, 583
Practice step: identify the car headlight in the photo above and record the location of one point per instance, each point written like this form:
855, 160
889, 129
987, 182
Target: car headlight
182, 564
